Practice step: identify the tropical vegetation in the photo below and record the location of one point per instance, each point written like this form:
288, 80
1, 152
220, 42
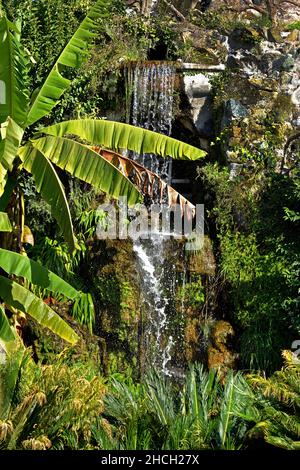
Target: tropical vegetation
75, 360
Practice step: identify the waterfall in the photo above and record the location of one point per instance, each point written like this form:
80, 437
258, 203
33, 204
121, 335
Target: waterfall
157, 288
150, 88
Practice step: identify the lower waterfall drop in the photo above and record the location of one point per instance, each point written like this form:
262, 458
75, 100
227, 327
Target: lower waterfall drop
157, 286
150, 86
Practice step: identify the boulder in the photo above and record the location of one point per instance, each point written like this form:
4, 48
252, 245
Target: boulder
198, 91
284, 63
245, 38
233, 109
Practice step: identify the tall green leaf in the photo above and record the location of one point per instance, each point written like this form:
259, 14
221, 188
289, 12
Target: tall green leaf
6, 333
226, 413
8, 190
5, 225
19, 297
72, 56
160, 397
236, 408
22, 266
116, 135
13, 74
10, 376
87, 165
9, 150
51, 189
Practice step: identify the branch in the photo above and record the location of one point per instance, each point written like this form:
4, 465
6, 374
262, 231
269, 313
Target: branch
290, 140
247, 6
179, 15
292, 2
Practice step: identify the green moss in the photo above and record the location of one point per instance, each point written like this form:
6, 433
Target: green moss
293, 26
192, 293
201, 57
283, 107
46, 345
118, 364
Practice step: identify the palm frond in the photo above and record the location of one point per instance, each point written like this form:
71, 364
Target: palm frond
117, 135
71, 57
51, 189
13, 74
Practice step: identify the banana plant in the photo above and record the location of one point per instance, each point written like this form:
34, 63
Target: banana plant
16, 297
52, 146
55, 146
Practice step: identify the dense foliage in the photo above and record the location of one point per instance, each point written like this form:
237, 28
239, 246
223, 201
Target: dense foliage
69, 406
258, 238
57, 398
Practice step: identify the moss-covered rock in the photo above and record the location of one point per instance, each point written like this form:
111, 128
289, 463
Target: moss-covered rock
47, 345
115, 284
220, 354
202, 261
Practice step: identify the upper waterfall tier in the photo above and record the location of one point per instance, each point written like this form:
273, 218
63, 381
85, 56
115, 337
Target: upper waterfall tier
150, 89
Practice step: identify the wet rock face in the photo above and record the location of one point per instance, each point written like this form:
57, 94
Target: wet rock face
198, 90
233, 109
116, 291
263, 87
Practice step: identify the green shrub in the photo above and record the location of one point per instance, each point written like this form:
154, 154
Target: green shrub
51, 406
258, 260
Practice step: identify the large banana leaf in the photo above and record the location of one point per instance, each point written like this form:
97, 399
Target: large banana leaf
17, 296
5, 225
87, 165
72, 56
116, 135
9, 150
13, 74
6, 333
49, 185
19, 265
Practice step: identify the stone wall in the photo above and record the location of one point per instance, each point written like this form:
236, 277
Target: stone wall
260, 82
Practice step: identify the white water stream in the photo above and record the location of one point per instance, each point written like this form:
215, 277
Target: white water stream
151, 86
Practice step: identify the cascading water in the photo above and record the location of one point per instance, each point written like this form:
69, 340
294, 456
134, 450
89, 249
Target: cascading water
157, 288
151, 86
151, 90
